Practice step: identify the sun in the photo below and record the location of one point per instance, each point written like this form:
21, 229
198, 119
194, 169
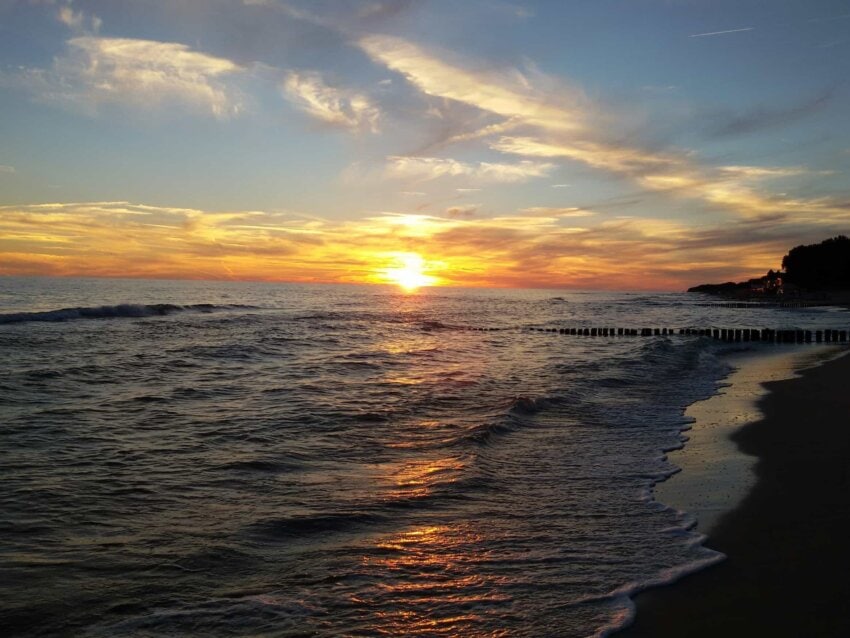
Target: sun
409, 272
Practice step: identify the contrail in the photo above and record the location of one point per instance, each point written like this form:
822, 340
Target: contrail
702, 35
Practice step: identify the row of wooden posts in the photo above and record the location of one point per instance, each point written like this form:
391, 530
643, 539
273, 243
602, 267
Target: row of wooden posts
768, 335
765, 304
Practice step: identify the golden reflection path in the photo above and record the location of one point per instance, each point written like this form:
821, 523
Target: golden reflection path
436, 576
433, 584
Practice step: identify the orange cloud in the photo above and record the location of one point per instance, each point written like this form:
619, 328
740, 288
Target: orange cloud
550, 248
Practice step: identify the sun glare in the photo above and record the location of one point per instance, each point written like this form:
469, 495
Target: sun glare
409, 273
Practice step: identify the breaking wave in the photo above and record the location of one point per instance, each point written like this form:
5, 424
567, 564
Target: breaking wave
115, 312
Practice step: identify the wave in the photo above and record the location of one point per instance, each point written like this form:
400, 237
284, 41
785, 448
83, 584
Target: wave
434, 325
375, 514
527, 405
114, 312
260, 466
513, 415
624, 596
306, 525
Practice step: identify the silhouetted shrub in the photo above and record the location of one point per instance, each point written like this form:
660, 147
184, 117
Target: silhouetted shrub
816, 266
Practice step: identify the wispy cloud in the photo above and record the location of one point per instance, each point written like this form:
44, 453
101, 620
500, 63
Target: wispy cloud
429, 168
767, 172
331, 105
145, 74
617, 158
547, 211
726, 187
732, 123
463, 212
508, 94
710, 33
570, 131
5, 168
78, 20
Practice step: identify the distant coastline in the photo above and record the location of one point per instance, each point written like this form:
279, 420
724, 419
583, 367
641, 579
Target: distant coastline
817, 274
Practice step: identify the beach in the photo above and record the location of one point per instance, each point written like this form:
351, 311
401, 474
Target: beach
787, 555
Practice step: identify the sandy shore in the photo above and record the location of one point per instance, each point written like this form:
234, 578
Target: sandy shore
787, 571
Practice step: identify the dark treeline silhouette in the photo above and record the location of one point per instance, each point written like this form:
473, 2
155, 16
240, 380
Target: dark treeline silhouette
810, 268
819, 266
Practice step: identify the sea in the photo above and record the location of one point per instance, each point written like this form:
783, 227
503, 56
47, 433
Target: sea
261, 459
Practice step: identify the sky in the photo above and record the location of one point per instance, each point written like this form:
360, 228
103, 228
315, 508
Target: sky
628, 144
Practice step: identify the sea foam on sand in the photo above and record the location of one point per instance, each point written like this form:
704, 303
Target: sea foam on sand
715, 474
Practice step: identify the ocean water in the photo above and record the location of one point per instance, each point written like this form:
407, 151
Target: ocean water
238, 459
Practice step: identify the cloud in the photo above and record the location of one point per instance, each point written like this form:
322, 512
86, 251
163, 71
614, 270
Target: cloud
377, 11
546, 211
462, 212
734, 123
108, 238
509, 94
531, 248
5, 168
620, 159
725, 187
344, 19
334, 106
428, 168
77, 20
557, 124
144, 74
767, 172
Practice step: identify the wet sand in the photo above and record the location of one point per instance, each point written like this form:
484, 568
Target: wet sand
787, 571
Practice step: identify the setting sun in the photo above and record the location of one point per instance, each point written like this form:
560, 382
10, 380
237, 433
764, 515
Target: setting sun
409, 272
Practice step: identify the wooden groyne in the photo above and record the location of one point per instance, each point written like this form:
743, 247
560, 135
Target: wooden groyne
767, 335
766, 304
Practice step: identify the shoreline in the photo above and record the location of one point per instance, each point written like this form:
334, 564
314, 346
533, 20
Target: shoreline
714, 475
782, 530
